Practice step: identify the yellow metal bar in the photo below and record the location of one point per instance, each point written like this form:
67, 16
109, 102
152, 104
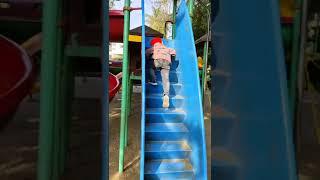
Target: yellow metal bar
135, 38
287, 8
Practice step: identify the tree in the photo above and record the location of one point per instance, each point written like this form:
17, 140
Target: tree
161, 12
199, 21
111, 4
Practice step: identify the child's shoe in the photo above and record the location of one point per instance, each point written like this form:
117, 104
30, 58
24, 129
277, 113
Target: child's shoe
165, 101
153, 83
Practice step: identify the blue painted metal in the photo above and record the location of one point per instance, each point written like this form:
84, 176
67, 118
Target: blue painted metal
143, 91
105, 98
173, 139
155, 100
175, 88
162, 116
176, 169
251, 129
159, 149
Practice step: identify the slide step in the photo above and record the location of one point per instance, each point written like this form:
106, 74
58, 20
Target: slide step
223, 157
225, 165
165, 111
166, 127
166, 131
168, 169
174, 76
160, 115
225, 123
155, 101
157, 96
167, 149
222, 73
175, 88
174, 64
221, 113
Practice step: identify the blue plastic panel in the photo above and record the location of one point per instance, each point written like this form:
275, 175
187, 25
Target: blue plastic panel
143, 93
188, 66
164, 130
251, 127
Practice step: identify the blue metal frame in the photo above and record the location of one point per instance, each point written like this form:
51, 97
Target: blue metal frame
143, 87
251, 125
190, 127
105, 98
188, 66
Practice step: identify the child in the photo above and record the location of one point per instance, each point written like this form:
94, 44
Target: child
151, 76
162, 60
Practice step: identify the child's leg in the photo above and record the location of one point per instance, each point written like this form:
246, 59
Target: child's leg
165, 80
151, 76
166, 85
165, 68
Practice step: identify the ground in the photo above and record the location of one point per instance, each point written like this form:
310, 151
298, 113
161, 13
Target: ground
18, 141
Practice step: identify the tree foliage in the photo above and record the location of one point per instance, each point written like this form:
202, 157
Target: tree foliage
200, 18
111, 4
161, 12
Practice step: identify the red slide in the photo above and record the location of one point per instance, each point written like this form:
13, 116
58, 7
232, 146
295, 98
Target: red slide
16, 77
114, 86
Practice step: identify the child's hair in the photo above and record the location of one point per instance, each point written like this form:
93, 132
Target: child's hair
155, 40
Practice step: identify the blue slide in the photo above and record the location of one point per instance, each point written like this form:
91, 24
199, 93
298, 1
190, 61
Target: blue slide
251, 126
173, 140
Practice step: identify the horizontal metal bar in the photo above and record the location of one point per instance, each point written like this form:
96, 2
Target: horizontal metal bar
83, 51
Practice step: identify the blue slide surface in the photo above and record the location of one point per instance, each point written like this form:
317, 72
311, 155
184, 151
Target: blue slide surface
173, 140
251, 125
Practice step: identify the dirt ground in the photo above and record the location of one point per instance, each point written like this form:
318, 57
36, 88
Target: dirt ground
18, 141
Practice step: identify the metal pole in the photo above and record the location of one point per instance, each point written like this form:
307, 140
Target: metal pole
204, 69
105, 98
301, 75
302, 45
128, 112
295, 57
205, 57
174, 11
58, 102
130, 87
125, 76
190, 8
165, 29
64, 113
69, 100
47, 109
58, 142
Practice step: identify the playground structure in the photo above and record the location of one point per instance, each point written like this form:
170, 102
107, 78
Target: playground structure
57, 89
243, 146
63, 45
173, 140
